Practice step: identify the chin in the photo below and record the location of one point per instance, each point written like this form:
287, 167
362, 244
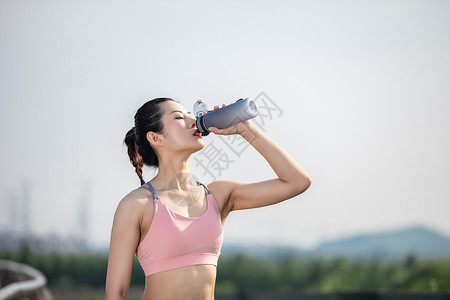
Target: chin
197, 147
201, 145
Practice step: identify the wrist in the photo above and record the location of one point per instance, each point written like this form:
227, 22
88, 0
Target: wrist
248, 131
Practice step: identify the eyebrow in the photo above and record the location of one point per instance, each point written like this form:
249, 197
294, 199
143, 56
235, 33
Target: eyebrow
188, 112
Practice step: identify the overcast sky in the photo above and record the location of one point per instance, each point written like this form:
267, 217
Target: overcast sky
359, 91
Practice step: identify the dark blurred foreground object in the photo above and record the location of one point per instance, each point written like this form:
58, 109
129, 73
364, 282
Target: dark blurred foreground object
20, 281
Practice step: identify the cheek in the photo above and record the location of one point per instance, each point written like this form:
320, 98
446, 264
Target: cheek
174, 132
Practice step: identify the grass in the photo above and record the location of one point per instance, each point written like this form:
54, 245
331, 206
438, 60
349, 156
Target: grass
89, 293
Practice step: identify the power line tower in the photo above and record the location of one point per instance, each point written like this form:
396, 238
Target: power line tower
26, 208
13, 226
83, 213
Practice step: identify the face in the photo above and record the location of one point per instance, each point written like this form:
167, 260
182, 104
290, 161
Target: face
179, 129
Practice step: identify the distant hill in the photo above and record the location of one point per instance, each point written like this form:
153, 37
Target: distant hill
418, 240
421, 241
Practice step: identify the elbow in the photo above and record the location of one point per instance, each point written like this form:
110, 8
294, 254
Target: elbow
309, 182
303, 184
115, 292
114, 296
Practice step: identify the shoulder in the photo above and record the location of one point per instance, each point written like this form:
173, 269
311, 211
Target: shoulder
222, 190
134, 203
222, 186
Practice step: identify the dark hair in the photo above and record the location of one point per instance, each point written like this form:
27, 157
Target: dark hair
147, 118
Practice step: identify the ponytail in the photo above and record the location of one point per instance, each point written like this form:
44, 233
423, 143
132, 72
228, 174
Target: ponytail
133, 152
147, 118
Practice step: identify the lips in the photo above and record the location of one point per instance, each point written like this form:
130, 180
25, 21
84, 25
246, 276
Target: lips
197, 133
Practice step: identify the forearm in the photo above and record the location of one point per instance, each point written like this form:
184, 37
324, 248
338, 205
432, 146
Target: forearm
286, 168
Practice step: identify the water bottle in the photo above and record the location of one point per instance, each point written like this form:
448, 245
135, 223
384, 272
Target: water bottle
240, 111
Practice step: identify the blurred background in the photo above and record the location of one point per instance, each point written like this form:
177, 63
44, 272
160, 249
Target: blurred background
356, 91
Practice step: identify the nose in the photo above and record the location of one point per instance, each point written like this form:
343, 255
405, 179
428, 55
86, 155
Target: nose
193, 120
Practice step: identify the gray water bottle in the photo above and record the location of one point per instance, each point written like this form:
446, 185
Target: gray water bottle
240, 111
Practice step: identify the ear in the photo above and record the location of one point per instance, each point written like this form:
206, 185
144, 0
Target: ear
155, 139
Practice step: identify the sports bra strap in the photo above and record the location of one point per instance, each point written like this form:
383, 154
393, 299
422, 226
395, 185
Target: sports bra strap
150, 188
208, 192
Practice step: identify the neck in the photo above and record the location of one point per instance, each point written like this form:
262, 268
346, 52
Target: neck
173, 174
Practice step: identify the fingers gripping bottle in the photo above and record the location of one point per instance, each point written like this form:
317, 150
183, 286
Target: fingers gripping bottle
240, 111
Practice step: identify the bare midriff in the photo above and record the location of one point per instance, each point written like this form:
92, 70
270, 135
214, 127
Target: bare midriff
187, 283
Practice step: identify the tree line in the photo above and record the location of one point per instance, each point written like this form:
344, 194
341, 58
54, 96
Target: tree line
287, 273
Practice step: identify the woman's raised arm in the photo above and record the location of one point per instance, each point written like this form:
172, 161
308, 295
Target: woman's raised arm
292, 179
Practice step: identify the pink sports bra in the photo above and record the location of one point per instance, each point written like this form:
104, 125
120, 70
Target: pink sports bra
174, 241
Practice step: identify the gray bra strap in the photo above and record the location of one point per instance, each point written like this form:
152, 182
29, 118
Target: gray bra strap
206, 189
150, 188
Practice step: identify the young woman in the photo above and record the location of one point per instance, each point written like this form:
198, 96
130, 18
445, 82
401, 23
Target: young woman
173, 223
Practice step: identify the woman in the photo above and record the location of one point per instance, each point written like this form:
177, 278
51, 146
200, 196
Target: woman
173, 223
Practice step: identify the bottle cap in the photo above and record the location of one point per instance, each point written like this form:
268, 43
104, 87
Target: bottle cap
200, 108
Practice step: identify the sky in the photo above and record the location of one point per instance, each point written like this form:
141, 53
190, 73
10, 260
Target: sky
357, 92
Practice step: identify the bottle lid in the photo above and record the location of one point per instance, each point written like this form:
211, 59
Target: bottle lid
200, 108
